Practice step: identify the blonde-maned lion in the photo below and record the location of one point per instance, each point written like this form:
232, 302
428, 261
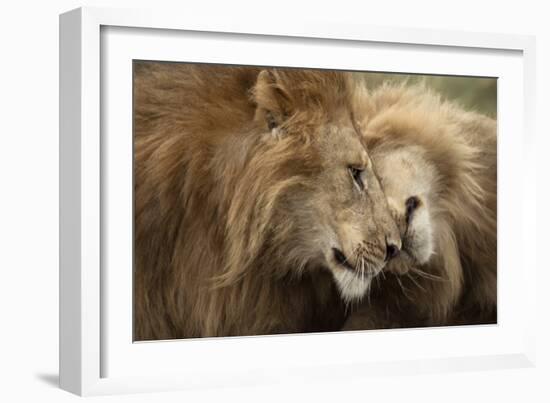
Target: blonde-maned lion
256, 207
437, 166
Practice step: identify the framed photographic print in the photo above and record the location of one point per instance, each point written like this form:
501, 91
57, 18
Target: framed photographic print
277, 202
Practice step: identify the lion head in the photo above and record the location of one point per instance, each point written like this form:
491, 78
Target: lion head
252, 188
311, 192
437, 166
410, 184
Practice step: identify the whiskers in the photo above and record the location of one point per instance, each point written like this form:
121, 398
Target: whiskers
356, 281
415, 282
405, 291
426, 275
360, 267
364, 268
415, 275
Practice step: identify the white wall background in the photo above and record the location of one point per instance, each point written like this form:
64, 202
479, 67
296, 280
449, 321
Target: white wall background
29, 198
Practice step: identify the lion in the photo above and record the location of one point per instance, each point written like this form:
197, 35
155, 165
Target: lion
437, 166
257, 210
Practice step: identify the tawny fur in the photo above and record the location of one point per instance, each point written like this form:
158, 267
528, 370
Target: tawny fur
237, 201
456, 151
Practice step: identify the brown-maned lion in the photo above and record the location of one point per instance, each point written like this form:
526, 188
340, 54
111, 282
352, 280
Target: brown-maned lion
256, 207
437, 166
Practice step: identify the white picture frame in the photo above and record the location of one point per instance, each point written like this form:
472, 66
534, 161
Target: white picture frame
96, 355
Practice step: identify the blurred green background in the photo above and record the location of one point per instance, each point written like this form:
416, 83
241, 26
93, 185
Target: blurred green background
472, 93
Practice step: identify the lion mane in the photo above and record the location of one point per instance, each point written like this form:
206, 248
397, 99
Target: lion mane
458, 283
210, 197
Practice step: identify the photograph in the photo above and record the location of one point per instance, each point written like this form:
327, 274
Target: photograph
219, 201
271, 200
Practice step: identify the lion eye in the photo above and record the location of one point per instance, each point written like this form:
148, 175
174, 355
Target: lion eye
271, 122
357, 176
411, 204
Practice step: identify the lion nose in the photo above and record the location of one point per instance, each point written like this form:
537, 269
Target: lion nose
392, 250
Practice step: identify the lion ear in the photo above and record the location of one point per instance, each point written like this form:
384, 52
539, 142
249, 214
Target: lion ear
273, 102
